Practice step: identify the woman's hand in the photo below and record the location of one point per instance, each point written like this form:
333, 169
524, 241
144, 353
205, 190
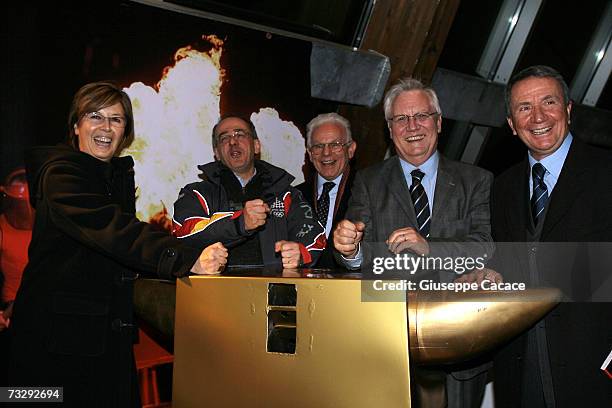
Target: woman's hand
211, 261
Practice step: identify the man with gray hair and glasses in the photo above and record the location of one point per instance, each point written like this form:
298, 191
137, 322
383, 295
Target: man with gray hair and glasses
330, 149
421, 204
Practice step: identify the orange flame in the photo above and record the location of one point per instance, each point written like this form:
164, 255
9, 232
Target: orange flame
173, 122
214, 55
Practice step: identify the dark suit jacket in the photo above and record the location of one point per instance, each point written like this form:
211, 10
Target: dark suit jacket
309, 191
381, 199
578, 335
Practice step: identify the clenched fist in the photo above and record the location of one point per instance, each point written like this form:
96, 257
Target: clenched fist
347, 237
255, 213
211, 261
290, 253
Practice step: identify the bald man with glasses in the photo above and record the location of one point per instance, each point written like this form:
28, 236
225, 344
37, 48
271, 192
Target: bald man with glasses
248, 205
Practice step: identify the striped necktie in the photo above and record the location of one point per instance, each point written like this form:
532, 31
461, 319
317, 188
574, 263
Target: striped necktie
421, 204
539, 198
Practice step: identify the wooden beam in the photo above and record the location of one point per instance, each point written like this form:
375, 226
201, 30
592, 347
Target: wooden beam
434, 44
412, 34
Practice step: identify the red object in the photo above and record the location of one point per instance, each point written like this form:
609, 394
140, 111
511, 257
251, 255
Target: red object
16, 200
13, 256
16, 185
148, 356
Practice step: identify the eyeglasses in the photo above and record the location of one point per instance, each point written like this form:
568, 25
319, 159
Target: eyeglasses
98, 119
420, 118
238, 134
335, 147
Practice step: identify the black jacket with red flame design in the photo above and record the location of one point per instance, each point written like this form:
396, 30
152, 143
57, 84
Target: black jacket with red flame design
203, 214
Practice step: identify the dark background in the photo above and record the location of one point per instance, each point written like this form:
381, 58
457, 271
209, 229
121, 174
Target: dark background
560, 36
52, 49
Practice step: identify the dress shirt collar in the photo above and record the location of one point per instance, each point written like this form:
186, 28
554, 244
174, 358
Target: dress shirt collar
321, 181
554, 162
430, 167
244, 182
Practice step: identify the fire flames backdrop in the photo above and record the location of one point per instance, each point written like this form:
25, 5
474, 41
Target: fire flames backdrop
182, 73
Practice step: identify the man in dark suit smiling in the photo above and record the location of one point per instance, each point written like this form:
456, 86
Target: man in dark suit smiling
330, 149
553, 211
419, 203
418, 198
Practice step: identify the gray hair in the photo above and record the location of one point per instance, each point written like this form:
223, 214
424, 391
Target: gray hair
328, 118
405, 85
535, 71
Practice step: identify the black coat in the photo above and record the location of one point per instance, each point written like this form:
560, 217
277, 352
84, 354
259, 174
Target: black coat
72, 324
309, 191
578, 334
205, 214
